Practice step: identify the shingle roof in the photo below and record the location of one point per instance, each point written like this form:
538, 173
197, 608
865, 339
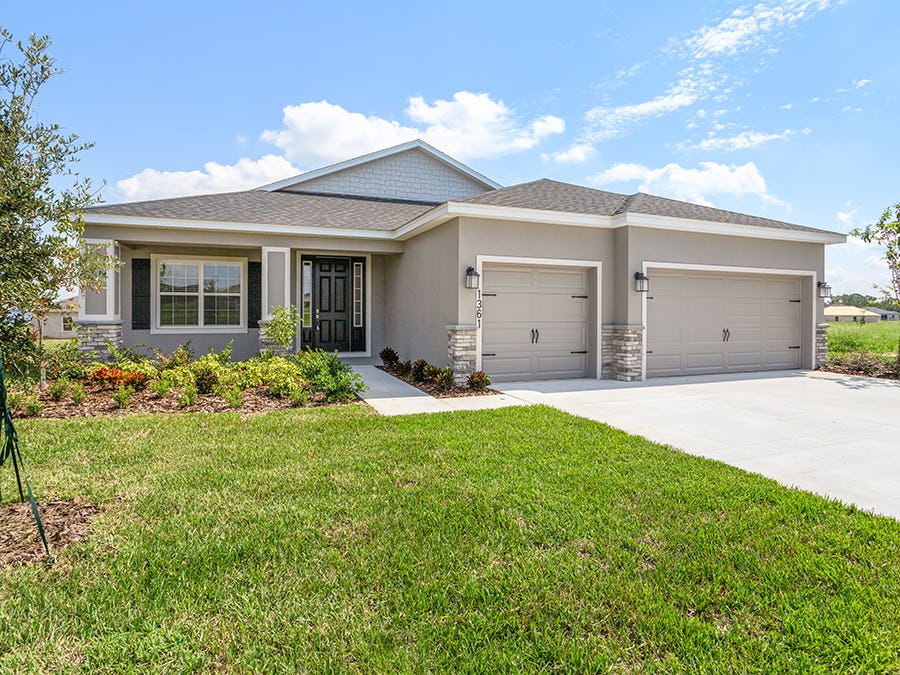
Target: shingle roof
367, 213
277, 208
552, 195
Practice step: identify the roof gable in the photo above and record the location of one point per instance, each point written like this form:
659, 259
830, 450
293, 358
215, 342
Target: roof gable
412, 171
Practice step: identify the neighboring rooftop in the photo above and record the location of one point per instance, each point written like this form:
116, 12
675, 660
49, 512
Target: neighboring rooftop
847, 310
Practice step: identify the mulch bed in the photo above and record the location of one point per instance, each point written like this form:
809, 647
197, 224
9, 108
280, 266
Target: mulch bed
865, 367
98, 402
65, 522
432, 389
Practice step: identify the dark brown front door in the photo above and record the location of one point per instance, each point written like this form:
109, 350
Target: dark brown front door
331, 310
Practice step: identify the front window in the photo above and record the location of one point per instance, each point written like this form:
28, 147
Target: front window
200, 293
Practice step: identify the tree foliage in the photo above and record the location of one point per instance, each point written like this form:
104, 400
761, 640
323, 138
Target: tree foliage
41, 195
886, 233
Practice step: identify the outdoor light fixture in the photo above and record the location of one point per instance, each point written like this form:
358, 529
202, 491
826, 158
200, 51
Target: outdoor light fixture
641, 282
824, 289
472, 277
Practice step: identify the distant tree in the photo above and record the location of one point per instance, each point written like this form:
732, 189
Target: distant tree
886, 233
41, 196
853, 300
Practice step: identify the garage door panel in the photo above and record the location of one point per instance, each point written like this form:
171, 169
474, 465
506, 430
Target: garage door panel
687, 314
519, 299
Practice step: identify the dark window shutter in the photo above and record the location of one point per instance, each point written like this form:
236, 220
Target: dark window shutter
140, 294
254, 294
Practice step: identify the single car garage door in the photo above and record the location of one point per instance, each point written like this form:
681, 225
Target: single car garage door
722, 323
535, 322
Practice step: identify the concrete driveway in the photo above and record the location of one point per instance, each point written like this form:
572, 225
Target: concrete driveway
831, 434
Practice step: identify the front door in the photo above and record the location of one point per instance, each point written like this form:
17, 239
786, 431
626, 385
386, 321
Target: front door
331, 311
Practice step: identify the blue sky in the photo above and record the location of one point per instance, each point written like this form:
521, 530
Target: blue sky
785, 109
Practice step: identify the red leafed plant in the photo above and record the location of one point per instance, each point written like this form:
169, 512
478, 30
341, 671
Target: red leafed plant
112, 376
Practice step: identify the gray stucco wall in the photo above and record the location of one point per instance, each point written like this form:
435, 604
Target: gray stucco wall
422, 294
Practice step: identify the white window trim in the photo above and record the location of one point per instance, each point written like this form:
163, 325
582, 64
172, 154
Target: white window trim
265, 277
112, 275
156, 329
596, 265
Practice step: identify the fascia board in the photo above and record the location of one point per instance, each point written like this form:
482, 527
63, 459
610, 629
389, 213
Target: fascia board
221, 226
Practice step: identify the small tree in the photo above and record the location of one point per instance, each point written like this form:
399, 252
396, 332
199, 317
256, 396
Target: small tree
41, 196
886, 233
281, 326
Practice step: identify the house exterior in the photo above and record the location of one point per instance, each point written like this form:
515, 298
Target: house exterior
885, 314
59, 323
380, 251
837, 313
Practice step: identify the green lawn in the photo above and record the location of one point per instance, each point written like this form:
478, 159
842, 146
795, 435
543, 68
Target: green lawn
519, 539
871, 339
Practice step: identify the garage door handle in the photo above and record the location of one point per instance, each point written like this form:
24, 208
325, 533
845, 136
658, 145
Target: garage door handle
582, 352
487, 354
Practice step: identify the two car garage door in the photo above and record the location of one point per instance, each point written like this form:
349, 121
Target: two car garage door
710, 323
537, 322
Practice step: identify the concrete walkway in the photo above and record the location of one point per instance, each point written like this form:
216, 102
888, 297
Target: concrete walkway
831, 434
391, 396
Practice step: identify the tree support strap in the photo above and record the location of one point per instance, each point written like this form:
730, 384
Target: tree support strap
10, 450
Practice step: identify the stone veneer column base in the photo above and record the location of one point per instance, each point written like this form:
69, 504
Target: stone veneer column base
265, 344
821, 344
461, 349
95, 337
627, 351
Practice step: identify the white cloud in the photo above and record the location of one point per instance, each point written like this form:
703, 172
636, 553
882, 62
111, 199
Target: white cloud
215, 177
748, 26
859, 84
845, 218
693, 185
850, 108
786, 106
580, 152
470, 125
747, 139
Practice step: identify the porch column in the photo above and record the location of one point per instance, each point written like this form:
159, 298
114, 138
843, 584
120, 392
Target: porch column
99, 324
276, 287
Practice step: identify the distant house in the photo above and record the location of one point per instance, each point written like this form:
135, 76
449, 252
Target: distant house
886, 314
59, 323
837, 313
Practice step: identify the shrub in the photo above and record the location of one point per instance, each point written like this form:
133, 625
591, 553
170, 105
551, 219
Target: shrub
281, 327
205, 377
444, 379
326, 373
417, 371
299, 398
234, 396
404, 368
389, 358
430, 373
59, 389
161, 387
77, 393
65, 362
113, 376
14, 399
479, 380
182, 355
123, 395
188, 397
31, 406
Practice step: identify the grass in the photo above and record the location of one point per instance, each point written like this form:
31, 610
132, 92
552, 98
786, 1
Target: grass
846, 339
520, 539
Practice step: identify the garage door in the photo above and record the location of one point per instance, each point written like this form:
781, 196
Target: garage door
705, 323
535, 322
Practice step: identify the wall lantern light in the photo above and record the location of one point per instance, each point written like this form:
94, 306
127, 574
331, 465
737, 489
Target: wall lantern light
641, 282
824, 289
472, 277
